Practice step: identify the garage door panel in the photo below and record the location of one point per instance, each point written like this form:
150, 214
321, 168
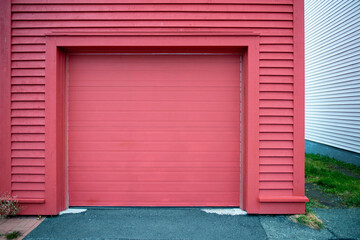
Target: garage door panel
77, 126
171, 82
154, 130
147, 176
141, 124
153, 175
146, 157
140, 203
154, 106
151, 187
102, 136
129, 62
156, 146
159, 170
170, 163
116, 78
153, 199
120, 64
153, 94
153, 116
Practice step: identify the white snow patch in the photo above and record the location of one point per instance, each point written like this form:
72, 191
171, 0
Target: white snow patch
225, 211
73, 210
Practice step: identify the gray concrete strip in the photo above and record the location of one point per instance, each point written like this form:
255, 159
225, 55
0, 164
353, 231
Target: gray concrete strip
279, 227
149, 223
343, 223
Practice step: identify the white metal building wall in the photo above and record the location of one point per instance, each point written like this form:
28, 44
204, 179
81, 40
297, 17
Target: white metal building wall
332, 73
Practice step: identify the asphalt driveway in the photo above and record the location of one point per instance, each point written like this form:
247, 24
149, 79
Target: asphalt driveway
170, 223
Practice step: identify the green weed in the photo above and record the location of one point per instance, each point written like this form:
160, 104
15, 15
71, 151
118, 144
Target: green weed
13, 235
308, 219
328, 174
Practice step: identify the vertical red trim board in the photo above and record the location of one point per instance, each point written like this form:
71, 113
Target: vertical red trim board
5, 96
299, 95
251, 128
54, 128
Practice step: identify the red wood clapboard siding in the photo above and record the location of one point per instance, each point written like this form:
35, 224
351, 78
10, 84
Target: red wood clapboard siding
273, 19
154, 130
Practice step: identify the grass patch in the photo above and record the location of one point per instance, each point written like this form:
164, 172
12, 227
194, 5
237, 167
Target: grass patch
313, 203
340, 179
13, 235
333, 163
308, 219
328, 174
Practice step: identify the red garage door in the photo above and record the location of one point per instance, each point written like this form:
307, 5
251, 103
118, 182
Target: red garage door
154, 129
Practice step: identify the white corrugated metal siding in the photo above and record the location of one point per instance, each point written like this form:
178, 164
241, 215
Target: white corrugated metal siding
332, 73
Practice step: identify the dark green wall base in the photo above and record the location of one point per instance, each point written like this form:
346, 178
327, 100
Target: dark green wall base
337, 153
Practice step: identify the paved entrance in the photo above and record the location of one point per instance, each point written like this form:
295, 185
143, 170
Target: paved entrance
170, 223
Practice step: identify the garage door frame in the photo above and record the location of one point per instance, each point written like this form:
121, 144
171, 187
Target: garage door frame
57, 44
